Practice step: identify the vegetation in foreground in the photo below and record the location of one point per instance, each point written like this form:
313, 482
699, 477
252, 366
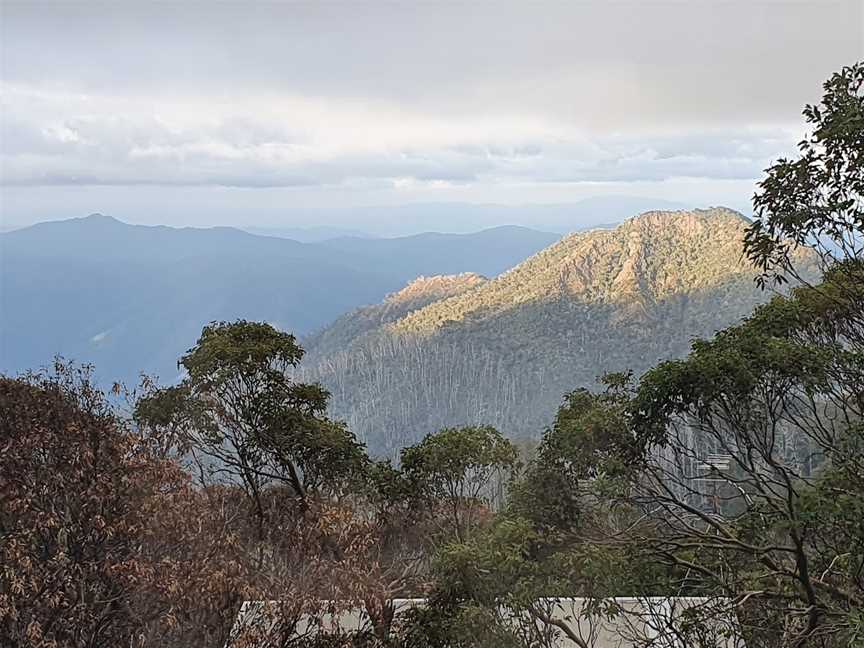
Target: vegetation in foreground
735, 475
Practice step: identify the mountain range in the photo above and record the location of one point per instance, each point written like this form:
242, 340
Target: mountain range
314, 224
132, 298
467, 350
409, 334
401, 220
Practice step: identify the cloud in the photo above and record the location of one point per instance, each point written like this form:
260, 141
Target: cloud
56, 137
595, 64
395, 102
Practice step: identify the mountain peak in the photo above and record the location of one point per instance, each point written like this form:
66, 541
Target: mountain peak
96, 217
436, 287
646, 259
94, 220
688, 219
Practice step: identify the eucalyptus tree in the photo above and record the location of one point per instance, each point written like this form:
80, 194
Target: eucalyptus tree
815, 200
463, 471
243, 419
754, 487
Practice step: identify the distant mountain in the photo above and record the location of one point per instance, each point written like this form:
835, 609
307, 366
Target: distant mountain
499, 324
412, 218
132, 298
598, 211
489, 252
504, 351
307, 234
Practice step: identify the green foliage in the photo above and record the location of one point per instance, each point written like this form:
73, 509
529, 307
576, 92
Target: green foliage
390, 487
464, 468
239, 408
602, 512
815, 199
780, 396
540, 545
590, 441
249, 349
767, 348
430, 626
445, 462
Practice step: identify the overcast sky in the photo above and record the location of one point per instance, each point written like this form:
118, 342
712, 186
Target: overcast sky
204, 113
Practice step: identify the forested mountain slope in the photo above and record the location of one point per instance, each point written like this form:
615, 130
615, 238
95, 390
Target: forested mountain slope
504, 351
368, 319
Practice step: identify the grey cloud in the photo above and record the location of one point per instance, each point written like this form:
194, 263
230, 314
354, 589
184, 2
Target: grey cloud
491, 95
238, 157
610, 64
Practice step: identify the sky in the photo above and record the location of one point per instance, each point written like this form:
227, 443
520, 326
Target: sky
294, 114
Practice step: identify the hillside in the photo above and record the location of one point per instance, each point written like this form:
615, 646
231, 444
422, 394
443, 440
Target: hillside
491, 251
368, 319
132, 298
504, 351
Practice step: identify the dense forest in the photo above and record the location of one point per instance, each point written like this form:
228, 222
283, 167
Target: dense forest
147, 515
